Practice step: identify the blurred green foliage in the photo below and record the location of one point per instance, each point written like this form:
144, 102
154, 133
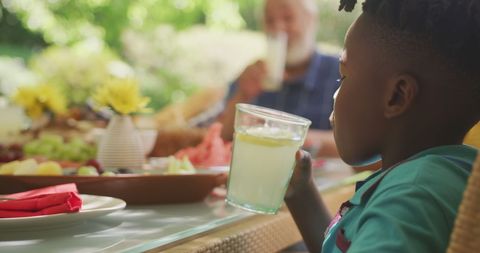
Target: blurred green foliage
64, 22
29, 26
332, 24
171, 89
15, 39
23, 52
77, 69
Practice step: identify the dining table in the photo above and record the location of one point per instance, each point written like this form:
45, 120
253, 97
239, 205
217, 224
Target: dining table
210, 225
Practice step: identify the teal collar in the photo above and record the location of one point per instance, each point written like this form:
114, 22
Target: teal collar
463, 153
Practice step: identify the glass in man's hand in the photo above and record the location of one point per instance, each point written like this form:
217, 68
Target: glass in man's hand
275, 60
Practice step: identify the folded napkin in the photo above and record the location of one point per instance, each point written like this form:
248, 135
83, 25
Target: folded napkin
44, 201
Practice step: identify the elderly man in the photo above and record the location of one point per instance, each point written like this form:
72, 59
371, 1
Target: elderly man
310, 78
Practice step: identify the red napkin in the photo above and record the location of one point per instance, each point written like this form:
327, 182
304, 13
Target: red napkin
44, 201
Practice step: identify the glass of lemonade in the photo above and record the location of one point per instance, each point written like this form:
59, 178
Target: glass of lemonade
265, 143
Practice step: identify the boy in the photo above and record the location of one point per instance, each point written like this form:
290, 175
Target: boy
410, 91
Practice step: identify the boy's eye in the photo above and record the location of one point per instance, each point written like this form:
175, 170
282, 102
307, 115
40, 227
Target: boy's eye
341, 79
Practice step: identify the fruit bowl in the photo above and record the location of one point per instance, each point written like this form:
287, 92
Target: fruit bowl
135, 189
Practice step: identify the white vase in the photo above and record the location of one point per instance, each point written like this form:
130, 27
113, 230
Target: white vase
121, 145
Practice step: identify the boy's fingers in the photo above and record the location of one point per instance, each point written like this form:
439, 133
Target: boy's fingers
301, 174
303, 159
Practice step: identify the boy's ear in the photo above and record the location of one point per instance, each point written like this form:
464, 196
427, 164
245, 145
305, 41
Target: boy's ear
400, 93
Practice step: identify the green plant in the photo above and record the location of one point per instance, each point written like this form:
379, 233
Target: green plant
77, 70
332, 24
173, 46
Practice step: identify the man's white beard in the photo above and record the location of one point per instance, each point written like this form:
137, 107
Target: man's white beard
299, 51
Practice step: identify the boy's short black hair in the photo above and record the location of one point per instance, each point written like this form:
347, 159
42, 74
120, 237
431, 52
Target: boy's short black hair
448, 28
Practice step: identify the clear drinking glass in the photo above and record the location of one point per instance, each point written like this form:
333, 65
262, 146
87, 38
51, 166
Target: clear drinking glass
265, 144
275, 58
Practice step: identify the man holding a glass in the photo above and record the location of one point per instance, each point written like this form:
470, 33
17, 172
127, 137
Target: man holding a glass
293, 77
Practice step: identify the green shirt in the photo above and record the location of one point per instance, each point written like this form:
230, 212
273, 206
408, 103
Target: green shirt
412, 209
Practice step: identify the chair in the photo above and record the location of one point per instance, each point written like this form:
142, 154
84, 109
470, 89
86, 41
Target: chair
473, 136
466, 232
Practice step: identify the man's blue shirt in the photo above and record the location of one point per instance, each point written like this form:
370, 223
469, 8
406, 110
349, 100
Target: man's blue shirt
309, 96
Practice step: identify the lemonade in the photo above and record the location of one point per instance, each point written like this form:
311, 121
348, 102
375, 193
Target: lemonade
264, 148
263, 160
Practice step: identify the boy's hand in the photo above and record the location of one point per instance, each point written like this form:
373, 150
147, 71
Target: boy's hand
302, 174
302, 192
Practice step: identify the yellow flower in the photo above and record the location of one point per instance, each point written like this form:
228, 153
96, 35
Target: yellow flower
122, 95
36, 100
52, 98
25, 97
34, 112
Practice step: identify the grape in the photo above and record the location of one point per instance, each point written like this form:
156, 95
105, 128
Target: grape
6, 157
17, 154
81, 157
55, 140
176, 166
49, 169
15, 146
187, 165
30, 148
87, 171
10, 153
108, 173
45, 150
77, 142
54, 147
96, 164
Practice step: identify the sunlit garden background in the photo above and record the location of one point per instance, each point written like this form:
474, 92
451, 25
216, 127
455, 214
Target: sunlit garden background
171, 47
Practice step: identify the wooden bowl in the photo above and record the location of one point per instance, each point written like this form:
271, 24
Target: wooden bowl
132, 188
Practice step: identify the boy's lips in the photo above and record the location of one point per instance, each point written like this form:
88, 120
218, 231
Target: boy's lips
332, 119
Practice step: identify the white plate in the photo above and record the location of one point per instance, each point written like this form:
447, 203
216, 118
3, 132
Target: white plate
93, 206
